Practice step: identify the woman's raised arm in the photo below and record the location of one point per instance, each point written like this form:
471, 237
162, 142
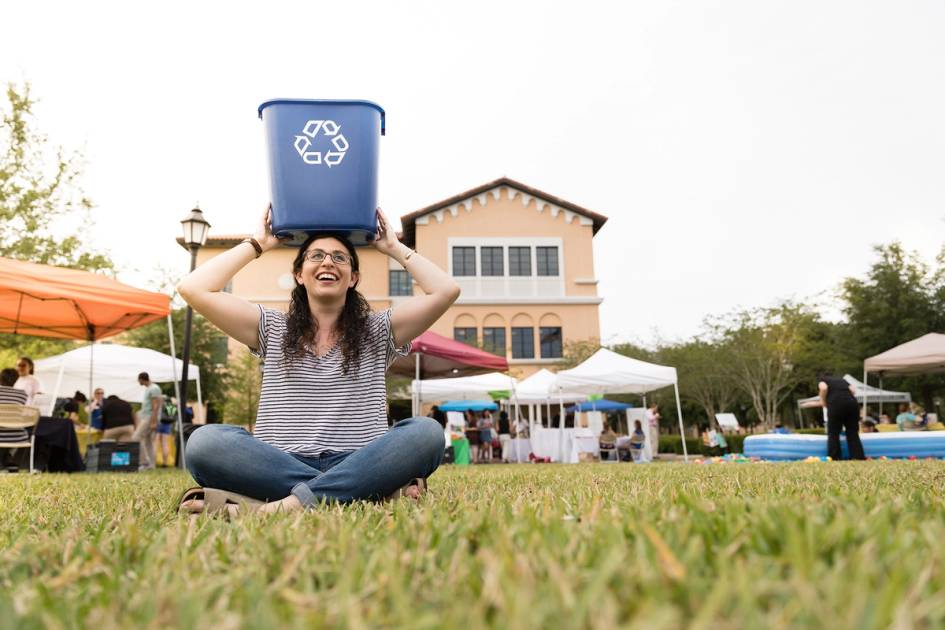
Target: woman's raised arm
415, 315
203, 288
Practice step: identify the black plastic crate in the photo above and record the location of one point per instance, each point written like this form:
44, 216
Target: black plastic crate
112, 457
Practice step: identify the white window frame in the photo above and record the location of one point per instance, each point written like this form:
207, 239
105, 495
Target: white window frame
472, 285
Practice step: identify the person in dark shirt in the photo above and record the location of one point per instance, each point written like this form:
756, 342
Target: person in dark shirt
118, 419
843, 413
505, 435
438, 415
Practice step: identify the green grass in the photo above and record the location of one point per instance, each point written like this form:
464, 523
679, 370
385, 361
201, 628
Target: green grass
726, 545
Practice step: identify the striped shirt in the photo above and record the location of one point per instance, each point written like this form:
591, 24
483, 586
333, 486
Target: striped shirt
9, 395
308, 405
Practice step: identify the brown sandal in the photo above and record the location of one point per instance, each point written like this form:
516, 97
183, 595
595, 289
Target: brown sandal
216, 502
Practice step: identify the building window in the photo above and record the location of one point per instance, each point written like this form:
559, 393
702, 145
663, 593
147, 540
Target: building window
523, 343
464, 261
400, 282
520, 261
465, 335
490, 260
493, 340
547, 259
550, 342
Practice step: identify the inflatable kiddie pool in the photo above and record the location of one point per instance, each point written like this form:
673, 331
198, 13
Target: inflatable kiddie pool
791, 446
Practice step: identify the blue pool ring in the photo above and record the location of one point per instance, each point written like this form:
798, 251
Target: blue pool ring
793, 447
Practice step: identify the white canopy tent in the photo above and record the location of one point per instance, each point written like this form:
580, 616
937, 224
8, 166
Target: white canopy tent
862, 393
540, 388
116, 369
463, 388
925, 355
607, 372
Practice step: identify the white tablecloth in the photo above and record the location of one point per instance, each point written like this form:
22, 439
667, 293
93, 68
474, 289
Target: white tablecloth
547, 443
519, 450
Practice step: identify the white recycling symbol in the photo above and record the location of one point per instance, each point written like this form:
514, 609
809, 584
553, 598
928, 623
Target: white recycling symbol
328, 128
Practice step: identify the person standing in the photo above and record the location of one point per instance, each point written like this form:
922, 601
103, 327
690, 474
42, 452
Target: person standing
118, 420
843, 412
94, 409
148, 417
653, 424
26, 381
505, 435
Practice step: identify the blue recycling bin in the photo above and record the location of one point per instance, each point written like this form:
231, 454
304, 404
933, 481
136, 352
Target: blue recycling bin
323, 159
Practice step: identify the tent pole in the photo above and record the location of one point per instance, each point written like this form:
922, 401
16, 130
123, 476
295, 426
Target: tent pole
200, 397
88, 430
180, 412
518, 443
865, 392
416, 393
682, 433
52, 405
561, 425
880, 398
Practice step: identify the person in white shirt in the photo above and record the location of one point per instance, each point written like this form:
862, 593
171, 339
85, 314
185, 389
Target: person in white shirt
653, 425
27, 382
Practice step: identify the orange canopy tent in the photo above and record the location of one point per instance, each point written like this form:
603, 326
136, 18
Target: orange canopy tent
46, 301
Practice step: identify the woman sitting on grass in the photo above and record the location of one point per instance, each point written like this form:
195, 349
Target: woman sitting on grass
321, 431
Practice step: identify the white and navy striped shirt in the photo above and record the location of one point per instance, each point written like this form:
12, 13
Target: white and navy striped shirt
308, 405
10, 395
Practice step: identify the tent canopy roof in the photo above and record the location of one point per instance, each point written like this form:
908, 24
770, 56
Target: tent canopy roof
923, 355
471, 405
116, 369
441, 356
873, 394
540, 387
607, 372
463, 388
600, 405
47, 301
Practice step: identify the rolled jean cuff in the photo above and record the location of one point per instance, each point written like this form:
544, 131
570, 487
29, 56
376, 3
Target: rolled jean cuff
304, 494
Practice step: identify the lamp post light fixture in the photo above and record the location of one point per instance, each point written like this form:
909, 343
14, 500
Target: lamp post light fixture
196, 228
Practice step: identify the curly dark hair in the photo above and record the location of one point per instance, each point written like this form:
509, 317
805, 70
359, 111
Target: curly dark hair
301, 327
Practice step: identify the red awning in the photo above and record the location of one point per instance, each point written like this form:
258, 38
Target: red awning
441, 356
47, 301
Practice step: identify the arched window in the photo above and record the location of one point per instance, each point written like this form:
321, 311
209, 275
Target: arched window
464, 329
550, 338
523, 337
493, 334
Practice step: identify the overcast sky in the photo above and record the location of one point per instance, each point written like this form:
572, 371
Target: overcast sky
743, 151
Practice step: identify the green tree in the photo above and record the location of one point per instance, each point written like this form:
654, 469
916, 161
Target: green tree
576, 352
242, 381
40, 192
898, 300
208, 350
703, 381
901, 298
762, 346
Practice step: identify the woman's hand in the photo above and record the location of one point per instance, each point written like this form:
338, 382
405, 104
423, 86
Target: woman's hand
385, 241
263, 235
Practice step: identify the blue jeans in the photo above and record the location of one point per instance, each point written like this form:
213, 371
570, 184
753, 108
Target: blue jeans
230, 458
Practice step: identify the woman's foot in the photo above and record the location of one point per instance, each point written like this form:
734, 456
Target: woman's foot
232, 508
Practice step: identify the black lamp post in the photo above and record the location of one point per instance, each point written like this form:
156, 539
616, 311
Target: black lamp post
195, 236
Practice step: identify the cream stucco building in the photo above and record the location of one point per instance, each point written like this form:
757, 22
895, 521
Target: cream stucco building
523, 258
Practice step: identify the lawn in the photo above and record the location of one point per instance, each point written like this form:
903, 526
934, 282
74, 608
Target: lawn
724, 545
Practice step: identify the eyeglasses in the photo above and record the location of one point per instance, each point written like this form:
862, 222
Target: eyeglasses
317, 256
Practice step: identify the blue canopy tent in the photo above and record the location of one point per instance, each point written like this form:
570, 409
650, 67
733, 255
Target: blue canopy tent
470, 405
599, 405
